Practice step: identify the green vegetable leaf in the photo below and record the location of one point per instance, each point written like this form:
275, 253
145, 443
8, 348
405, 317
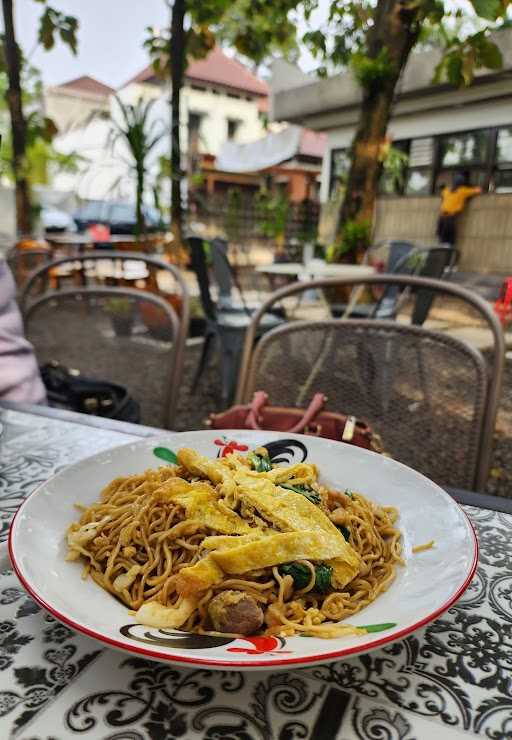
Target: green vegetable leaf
164, 453
345, 531
260, 462
306, 491
300, 574
379, 627
348, 493
323, 578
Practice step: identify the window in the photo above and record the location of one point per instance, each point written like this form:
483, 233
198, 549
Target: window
419, 172
502, 175
233, 125
395, 168
194, 131
468, 148
340, 163
418, 182
467, 152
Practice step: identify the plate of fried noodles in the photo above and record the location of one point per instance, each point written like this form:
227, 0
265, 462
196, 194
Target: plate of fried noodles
242, 549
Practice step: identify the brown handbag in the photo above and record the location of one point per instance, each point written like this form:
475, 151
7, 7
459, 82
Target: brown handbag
313, 420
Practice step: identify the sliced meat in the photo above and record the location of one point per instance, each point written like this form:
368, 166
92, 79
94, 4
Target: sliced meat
235, 611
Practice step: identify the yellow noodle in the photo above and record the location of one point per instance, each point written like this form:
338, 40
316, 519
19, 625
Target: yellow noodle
135, 530
422, 548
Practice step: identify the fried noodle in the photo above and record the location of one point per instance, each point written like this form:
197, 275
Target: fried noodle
138, 541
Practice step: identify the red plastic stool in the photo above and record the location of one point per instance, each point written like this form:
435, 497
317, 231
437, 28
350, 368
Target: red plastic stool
503, 306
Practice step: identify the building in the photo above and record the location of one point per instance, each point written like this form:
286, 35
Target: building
441, 130
74, 103
221, 100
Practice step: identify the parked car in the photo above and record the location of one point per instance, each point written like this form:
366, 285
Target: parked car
120, 217
54, 220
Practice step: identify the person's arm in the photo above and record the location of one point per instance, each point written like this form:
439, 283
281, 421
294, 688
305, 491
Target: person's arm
19, 374
470, 191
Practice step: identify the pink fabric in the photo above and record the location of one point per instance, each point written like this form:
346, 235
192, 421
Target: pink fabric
19, 374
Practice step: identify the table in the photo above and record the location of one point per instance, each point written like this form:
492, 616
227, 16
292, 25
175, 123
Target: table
452, 679
319, 269
316, 269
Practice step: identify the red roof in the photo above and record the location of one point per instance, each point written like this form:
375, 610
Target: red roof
217, 69
312, 143
89, 85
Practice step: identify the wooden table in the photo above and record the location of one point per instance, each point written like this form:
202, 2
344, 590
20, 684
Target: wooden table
449, 680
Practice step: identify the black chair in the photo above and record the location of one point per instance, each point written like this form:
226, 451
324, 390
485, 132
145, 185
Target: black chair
226, 323
396, 264
428, 262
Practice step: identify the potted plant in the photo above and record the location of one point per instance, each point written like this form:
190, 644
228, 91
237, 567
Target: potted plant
155, 318
122, 315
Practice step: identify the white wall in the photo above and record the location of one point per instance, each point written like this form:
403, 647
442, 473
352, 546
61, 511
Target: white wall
69, 109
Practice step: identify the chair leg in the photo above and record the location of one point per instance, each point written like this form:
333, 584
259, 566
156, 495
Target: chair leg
203, 360
230, 348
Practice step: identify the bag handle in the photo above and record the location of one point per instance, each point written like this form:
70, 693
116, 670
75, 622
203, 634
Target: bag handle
260, 399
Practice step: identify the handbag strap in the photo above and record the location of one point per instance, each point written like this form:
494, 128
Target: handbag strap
260, 399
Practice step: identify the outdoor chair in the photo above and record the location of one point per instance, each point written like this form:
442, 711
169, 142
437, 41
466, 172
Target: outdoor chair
435, 403
226, 324
404, 259
125, 335
23, 261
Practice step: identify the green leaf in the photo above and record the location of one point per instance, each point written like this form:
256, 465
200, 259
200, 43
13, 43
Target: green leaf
260, 461
47, 30
300, 573
345, 531
306, 491
488, 9
323, 578
379, 627
164, 453
489, 55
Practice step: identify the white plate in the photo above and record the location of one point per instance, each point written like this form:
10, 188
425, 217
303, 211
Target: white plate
428, 584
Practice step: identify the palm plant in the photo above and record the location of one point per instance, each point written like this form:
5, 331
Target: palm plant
140, 136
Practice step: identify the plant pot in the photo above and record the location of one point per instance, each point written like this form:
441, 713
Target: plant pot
156, 321
123, 325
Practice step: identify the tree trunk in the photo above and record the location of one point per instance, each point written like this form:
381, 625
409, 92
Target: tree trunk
140, 226
18, 123
177, 58
395, 31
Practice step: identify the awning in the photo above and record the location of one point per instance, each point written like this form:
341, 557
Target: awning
260, 154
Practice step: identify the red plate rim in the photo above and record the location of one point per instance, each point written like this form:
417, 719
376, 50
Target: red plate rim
216, 663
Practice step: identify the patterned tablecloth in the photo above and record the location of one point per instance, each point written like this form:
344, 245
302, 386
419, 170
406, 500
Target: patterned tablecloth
452, 679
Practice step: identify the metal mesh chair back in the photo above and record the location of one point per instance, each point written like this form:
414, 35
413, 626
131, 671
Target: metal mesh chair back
111, 334
431, 396
23, 262
109, 268
401, 379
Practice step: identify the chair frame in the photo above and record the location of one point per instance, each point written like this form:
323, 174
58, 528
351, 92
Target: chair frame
439, 287
180, 324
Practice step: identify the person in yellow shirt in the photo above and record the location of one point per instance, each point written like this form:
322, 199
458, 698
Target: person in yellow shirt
453, 200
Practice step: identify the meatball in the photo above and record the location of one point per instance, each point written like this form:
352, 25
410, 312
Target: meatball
235, 611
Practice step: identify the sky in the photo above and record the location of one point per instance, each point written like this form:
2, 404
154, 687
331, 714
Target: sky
110, 38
